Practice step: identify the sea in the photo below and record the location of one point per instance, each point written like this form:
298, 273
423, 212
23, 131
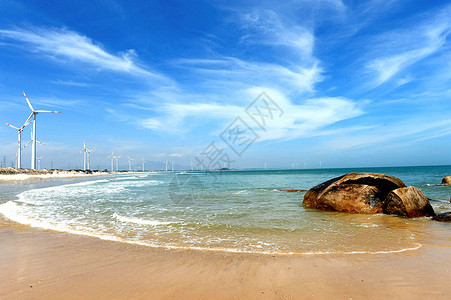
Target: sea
230, 211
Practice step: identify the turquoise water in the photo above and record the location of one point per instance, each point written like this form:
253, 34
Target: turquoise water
236, 211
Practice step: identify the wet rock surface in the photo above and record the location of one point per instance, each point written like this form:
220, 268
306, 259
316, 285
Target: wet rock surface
444, 217
368, 193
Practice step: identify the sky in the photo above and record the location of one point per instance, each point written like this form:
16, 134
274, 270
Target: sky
239, 84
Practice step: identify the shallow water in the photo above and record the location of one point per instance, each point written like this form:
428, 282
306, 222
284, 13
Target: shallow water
237, 211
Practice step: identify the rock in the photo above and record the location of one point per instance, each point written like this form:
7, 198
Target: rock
407, 202
446, 180
444, 217
354, 193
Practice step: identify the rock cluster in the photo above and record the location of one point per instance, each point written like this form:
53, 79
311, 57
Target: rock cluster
369, 193
446, 180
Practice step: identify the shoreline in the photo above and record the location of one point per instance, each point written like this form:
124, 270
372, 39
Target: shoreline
11, 174
45, 264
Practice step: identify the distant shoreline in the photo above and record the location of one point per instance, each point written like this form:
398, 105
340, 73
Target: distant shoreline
7, 174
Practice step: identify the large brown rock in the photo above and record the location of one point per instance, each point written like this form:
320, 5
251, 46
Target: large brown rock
407, 202
354, 193
446, 180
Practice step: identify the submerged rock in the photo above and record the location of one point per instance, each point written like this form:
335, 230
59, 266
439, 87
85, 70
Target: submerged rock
354, 193
446, 180
368, 193
444, 217
407, 202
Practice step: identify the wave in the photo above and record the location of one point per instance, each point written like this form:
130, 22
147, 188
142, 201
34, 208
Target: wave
140, 221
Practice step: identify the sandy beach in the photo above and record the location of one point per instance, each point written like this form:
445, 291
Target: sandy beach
26, 174
38, 264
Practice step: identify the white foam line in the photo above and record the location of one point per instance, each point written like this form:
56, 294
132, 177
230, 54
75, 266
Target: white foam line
41, 225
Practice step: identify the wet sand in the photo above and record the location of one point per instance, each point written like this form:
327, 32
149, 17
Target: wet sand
39, 264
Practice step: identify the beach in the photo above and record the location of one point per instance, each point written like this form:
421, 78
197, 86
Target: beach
39, 264
124, 236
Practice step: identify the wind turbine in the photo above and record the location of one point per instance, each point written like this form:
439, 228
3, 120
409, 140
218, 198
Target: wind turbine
33, 116
88, 152
14, 159
19, 149
143, 161
85, 151
130, 163
31, 139
112, 160
172, 166
39, 162
117, 166
166, 165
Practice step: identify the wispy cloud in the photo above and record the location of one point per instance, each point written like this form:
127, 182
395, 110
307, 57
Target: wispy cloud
61, 43
266, 27
400, 134
403, 48
70, 83
227, 72
309, 118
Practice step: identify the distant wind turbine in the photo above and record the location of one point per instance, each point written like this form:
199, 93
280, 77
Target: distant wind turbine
117, 165
31, 139
88, 152
112, 160
166, 165
13, 159
143, 161
33, 116
130, 163
19, 149
39, 162
172, 166
85, 151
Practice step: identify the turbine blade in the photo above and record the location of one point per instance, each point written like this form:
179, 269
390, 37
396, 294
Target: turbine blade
40, 142
48, 111
27, 143
12, 126
28, 121
28, 101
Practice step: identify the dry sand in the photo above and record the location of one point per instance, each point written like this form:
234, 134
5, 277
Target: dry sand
38, 264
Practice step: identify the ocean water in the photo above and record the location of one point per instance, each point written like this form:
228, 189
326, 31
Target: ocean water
234, 211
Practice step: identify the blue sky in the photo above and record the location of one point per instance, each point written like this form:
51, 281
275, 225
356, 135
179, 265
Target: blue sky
358, 83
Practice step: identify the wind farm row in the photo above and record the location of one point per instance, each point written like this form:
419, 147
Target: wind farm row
36, 161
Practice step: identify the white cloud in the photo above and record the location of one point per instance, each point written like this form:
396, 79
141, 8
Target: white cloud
310, 118
66, 44
403, 48
267, 27
399, 134
241, 74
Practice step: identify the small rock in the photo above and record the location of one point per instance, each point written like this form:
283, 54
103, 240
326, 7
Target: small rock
444, 217
446, 180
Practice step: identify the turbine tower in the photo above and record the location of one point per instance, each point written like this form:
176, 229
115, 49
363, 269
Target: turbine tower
19, 149
117, 165
88, 152
39, 162
143, 161
166, 165
112, 160
130, 163
33, 116
85, 151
